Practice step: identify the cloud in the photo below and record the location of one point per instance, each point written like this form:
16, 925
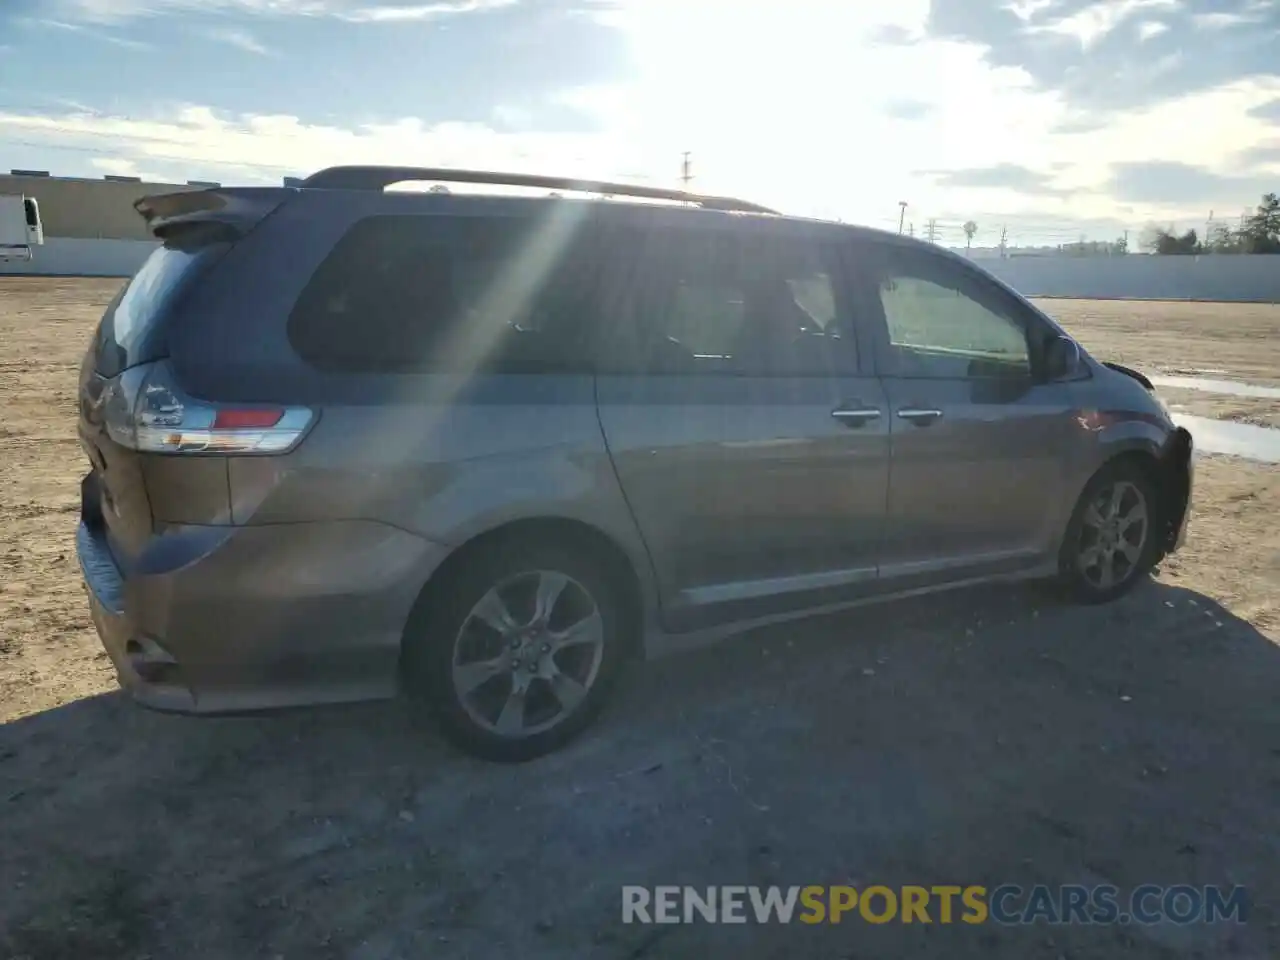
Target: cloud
892, 34
908, 109
1090, 24
1249, 13
355, 11
205, 143
1081, 123
1026, 10
1162, 181
422, 11
1044, 136
1151, 28
1263, 155
1109, 55
240, 39
117, 167
103, 35
1267, 111
1001, 176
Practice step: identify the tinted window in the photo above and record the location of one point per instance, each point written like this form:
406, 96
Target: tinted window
132, 317
722, 303
32, 211
404, 294
942, 323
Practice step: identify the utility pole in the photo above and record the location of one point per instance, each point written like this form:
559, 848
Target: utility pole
931, 233
686, 171
911, 229
1004, 241
1208, 226
902, 214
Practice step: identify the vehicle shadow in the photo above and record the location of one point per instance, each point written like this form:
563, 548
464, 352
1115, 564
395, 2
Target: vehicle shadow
986, 737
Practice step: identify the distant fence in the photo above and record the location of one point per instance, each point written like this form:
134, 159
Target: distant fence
68, 257
1240, 279
1223, 278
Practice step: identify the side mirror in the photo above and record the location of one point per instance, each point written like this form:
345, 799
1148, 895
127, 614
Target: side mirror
1062, 358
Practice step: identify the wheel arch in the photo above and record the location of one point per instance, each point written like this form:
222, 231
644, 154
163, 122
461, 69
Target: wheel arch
1155, 464
620, 566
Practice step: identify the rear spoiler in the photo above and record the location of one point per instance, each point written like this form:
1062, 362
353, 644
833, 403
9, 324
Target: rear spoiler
225, 213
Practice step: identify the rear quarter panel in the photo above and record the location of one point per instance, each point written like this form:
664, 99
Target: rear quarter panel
444, 457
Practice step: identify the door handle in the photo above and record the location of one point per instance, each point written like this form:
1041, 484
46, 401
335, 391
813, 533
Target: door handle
920, 416
855, 415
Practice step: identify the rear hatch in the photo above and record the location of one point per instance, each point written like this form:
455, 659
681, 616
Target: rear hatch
124, 391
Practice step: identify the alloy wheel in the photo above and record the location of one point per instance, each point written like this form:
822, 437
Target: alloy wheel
528, 653
1113, 535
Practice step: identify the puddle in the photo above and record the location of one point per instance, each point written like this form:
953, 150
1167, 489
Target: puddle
1199, 371
1233, 439
1231, 387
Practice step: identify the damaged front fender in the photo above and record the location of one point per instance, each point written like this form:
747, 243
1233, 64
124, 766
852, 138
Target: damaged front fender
1177, 478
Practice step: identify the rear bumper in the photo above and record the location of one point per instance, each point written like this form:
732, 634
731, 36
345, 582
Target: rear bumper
236, 619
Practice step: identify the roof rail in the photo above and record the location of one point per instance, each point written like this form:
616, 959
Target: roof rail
378, 178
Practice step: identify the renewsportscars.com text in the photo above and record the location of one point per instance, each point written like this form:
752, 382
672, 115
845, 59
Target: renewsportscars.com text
940, 903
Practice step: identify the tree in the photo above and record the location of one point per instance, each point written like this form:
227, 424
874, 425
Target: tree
1167, 243
1261, 231
970, 228
1222, 239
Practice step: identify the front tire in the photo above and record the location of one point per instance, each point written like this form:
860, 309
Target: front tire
1111, 541
516, 652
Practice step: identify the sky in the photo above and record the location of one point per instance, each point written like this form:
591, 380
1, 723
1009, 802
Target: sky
1053, 118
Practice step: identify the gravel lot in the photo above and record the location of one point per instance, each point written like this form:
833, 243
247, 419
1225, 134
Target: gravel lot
984, 738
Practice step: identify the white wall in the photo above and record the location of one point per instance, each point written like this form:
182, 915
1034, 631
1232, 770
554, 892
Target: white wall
65, 256
1241, 279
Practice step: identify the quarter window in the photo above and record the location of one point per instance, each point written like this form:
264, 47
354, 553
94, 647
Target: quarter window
448, 294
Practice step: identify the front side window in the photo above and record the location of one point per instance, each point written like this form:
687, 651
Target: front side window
717, 302
942, 324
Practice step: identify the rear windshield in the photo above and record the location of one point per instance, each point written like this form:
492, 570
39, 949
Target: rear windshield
127, 334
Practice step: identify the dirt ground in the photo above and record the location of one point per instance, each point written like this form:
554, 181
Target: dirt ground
984, 738
1258, 411
1240, 343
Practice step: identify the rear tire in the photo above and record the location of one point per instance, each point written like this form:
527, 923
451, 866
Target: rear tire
517, 652
1112, 540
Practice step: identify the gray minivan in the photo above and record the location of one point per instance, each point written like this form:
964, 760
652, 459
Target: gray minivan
489, 448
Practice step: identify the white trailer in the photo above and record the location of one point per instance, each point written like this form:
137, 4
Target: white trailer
20, 227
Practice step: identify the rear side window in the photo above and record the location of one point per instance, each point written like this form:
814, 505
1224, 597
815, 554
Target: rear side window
449, 294
32, 211
127, 333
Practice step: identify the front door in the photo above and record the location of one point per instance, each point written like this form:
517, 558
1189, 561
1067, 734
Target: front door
979, 441
750, 446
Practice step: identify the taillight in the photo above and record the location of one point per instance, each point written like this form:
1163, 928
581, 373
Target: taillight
143, 410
